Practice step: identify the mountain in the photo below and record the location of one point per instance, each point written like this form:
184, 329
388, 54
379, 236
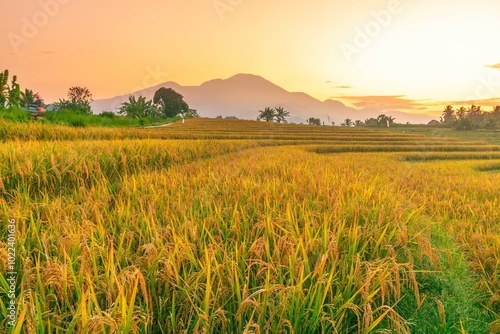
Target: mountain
243, 95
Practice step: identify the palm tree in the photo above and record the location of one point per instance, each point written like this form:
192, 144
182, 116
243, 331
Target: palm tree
267, 114
358, 123
476, 115
385, 121
281, 114
138, 108
461, 112
474, 110
382, 121
27, 98
390, 121
14, 93
347, 122
495, 114
448, 115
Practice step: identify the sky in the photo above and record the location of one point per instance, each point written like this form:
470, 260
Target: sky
408, 55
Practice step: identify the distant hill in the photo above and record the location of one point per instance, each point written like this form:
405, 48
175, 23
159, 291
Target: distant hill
243, 95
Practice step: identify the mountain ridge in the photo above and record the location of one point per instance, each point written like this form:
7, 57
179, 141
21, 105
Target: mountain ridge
243, 95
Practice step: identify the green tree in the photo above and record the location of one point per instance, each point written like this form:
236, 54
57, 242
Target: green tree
371, 122
268, 114
281, 114
461, 113
496, 111
474, 110
384, 121
79, 99
347, 122
191, 113
476, 115
358, 123
27, 98
4, 88
448, 116
464, 124
80, 94
491, 122
14, 93
139, 108
170, 102
313, 121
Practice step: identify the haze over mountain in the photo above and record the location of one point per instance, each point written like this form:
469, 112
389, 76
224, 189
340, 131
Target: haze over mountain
243, 95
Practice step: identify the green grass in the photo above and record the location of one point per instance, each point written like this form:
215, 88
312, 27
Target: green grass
450, 301
81, 120
73, 119
15, 115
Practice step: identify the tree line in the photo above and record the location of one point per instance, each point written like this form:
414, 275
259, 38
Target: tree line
11, 95
473, 117
166, 103
278, 114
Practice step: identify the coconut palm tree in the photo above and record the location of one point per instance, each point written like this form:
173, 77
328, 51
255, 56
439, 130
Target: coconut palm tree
348, 122
268, 114
281, 114
474, 110
448, 115
461, 112
27, 98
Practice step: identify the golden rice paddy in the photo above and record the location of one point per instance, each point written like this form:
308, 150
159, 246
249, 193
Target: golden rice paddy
217, 226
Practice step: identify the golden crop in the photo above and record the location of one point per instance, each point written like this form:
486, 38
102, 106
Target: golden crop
249, 227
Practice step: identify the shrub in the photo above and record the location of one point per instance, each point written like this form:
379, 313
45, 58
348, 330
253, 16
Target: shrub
15, 114
108, 114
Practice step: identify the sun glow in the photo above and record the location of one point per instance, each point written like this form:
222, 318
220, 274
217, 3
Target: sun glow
425, 49
431, 55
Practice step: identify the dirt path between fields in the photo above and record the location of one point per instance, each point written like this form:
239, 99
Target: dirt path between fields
158, 126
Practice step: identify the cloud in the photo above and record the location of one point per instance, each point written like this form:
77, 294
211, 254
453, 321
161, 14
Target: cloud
343, 87
401, 107
495, 67
493, 102
396, 102
404, 108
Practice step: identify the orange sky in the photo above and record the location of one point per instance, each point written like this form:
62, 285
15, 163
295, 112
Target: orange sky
404, 54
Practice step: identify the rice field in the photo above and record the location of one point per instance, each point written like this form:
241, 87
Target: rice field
217, 226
